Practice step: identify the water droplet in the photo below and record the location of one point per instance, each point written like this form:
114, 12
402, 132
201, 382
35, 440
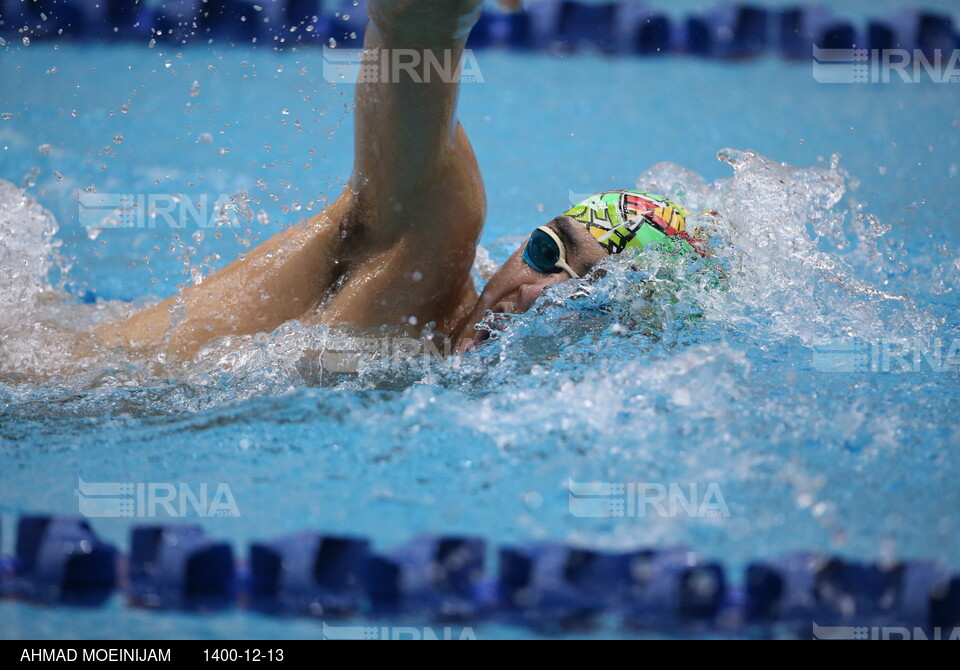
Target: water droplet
152, 44
6, 116
45, 149
533, 500
195, 89
205, 138
118, 138
333, 43
168, 64
26, 41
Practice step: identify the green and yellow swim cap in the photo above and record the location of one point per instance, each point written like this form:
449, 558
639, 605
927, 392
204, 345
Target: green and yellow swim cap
620, 220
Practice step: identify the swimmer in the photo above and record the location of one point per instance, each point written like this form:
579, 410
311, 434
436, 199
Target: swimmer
397, 247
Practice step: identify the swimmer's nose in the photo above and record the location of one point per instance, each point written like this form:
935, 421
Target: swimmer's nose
530, 293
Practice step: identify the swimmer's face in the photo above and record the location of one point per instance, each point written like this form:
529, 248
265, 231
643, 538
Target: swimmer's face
516, 286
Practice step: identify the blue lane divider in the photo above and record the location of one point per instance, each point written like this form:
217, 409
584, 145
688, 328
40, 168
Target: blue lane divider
654, 36
586, 25
309, 574
831, 591
727, 31
677, 587
945, 609
501, 30
802, 27
179, 567
911, 29
62, 561
437, 576
936, 31
546, 586
549, 585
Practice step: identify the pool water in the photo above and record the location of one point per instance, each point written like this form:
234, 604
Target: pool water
680, 382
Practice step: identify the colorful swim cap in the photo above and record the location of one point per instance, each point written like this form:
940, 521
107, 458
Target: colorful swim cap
623, 219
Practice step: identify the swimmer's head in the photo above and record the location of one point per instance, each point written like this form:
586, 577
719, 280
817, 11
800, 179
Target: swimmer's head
574, 243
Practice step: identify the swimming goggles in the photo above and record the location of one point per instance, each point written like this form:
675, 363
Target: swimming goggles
546, 253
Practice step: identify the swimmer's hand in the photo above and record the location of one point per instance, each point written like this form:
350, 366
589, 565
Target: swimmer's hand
426, 19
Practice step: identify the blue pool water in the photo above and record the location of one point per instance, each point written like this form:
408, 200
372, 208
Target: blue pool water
684, 384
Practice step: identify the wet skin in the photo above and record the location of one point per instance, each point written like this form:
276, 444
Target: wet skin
517, 286
397, 247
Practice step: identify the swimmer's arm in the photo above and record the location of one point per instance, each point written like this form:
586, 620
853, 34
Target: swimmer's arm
414, 167
408, 244
276, 282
